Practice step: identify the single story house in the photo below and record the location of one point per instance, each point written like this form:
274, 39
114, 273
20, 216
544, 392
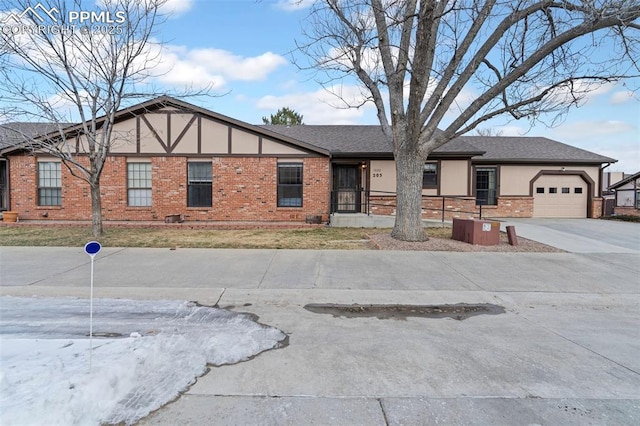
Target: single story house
169, 157
627, 195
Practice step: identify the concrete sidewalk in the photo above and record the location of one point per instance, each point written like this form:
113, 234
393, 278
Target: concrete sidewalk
564, 352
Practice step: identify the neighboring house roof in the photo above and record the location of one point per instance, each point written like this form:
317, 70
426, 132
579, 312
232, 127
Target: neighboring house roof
14, 133
625, 181
532, 149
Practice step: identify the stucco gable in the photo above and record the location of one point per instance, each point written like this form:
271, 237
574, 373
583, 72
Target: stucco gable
628, 182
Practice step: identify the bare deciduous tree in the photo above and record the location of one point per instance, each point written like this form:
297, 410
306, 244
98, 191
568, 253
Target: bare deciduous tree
420, 59
57, 68
488, 132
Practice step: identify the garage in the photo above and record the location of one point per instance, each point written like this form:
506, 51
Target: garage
560, 196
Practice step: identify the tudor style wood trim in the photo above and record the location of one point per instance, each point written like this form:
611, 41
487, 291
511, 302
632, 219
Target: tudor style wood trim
138, 134
181, 135
168, 123
155, 133
199, 136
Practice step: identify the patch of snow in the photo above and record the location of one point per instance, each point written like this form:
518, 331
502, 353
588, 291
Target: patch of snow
44, 356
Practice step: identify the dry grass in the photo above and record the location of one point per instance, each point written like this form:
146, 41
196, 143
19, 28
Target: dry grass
74, 236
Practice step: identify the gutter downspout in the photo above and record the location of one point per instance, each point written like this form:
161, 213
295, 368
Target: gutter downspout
602, 205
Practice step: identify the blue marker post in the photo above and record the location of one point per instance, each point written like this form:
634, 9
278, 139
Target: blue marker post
91, 248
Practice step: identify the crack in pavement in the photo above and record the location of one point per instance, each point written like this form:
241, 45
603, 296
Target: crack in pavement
97, 259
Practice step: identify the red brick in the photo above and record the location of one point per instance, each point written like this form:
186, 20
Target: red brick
244, 189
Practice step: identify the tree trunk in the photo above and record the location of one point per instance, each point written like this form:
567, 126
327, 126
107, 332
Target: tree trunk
409, 170
96, 210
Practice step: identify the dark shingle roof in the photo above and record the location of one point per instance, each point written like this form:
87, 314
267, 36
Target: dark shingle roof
14, 133
346, 139
531, 149
337, 138
358, 140
363, 140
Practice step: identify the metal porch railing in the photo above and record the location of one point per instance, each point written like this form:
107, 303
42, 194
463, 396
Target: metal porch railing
367, 201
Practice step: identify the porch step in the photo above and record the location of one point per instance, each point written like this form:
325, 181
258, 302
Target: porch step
362, 220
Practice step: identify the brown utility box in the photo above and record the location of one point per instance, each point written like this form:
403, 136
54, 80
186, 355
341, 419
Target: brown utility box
476, 231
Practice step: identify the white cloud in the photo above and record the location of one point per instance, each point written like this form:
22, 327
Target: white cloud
170, 8
177, 7
209, 66
622, 97
579, 130
293, 5
321, 106
586, 90
510, 130
611, 138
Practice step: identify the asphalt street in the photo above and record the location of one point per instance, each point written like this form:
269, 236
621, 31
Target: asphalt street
565, 351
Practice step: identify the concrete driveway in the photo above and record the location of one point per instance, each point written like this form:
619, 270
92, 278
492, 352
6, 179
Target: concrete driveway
580, 235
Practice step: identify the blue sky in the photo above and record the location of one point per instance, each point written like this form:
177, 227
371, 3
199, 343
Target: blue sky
244, 47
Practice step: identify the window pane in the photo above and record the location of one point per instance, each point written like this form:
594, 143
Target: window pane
486, 186
199, 195
49, 183
290, 185
139, 175
290, 196
540, 190
139, 184
553, 190
49, 197
566, 190
139, 197
199, 184
577, 190
290, 174
199, 172
430, 175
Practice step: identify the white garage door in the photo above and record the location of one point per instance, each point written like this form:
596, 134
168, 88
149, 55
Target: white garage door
559, 196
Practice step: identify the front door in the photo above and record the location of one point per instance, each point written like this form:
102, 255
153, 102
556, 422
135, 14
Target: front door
346, 189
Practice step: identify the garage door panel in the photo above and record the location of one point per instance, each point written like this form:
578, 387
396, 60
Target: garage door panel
560, 196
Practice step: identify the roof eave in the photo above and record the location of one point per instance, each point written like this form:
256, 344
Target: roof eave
168, 101
542, 161
625, 181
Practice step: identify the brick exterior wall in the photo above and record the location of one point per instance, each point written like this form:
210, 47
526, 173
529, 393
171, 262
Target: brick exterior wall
596, 210
632, 211
510, 207
459, 207
244, 189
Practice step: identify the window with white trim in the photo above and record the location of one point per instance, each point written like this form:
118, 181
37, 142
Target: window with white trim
49, 183
139, 184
